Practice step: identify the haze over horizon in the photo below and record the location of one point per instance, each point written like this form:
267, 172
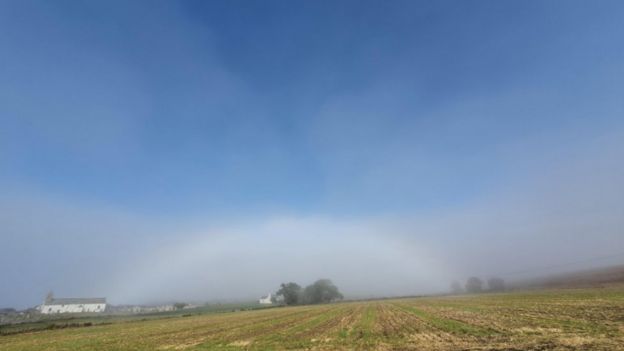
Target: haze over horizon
159, 151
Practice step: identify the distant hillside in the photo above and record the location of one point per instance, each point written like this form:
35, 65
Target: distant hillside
587, 278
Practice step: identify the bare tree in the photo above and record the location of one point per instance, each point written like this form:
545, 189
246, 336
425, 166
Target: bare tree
496, 284
474, 285
456, 288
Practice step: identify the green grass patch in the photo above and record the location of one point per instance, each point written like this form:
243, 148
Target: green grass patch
368, 321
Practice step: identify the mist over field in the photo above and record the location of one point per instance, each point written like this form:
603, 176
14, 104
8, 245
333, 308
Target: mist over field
193, 151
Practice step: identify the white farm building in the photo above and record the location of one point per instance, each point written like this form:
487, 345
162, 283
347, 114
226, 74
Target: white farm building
72, 305
265, 300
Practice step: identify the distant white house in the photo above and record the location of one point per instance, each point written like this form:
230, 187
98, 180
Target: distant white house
266, 300
72, 305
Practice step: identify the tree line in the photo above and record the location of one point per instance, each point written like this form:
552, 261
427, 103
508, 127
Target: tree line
474, 285
321, 291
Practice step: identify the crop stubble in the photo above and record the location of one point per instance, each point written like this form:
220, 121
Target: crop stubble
590, 319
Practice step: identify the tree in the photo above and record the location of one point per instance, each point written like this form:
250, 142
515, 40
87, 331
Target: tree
474, 285
179, 305
291, 293
496, 284
456, 287
321, 291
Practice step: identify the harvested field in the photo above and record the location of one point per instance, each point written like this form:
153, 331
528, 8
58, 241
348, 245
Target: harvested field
580, 319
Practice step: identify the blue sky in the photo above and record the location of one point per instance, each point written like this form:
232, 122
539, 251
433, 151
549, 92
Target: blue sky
167, 117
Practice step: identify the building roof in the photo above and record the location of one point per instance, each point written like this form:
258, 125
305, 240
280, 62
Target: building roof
75, 301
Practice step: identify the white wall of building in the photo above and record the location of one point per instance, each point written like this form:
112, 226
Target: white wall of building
73, 308
265, 300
